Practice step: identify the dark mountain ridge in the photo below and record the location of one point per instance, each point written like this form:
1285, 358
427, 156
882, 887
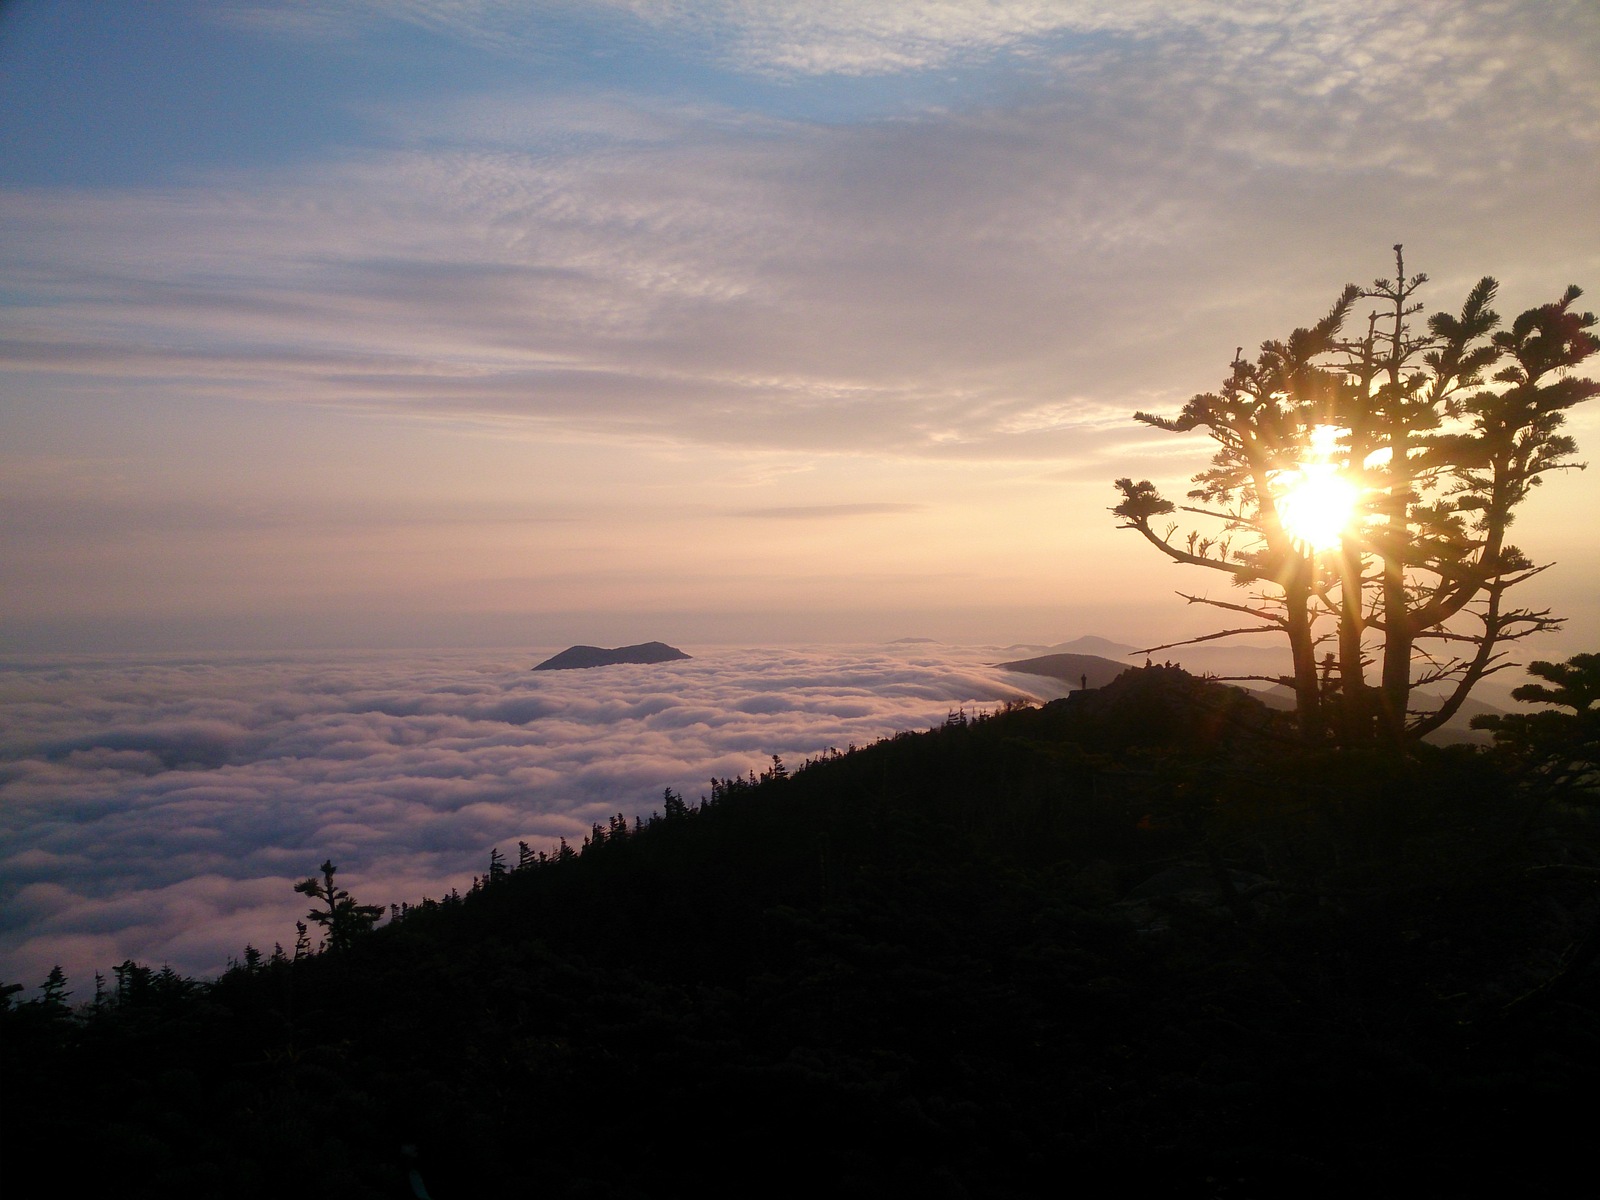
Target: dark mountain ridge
1092, 644
1072, 668
1457, 729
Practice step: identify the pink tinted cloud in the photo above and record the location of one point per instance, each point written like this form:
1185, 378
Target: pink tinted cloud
161, 810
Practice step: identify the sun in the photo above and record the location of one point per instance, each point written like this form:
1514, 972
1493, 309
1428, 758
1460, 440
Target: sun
1318, 508
1316, 502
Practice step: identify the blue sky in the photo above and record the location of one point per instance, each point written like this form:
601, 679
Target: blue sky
464, 322
152, 93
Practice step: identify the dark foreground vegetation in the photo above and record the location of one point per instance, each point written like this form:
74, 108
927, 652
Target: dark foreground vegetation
1139, 938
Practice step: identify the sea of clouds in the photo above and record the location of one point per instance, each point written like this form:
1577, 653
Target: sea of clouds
162, 809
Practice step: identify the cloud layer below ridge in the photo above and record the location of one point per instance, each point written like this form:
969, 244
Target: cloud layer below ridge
162, 810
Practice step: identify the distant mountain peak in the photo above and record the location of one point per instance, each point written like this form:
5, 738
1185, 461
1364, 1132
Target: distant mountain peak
1071, 668
578, 657
1090, 644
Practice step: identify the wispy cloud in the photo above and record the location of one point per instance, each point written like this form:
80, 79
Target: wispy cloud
1443, 54
826, 512
903, 285
1019, 224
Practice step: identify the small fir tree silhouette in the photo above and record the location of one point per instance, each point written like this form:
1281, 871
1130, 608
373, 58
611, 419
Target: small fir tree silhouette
342, 919
54, 993
1559, 745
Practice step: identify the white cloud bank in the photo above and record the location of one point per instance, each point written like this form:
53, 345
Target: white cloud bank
162, 810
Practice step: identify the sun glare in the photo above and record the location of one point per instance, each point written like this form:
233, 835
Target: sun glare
1316, 502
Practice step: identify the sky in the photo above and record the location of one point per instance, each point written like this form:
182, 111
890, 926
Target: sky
467, 322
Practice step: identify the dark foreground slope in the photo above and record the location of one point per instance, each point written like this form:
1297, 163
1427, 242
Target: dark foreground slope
1127, 939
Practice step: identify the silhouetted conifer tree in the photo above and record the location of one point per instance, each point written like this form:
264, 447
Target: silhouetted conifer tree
133, 982
1559, 746
1432, 438
53, 995
342, 919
